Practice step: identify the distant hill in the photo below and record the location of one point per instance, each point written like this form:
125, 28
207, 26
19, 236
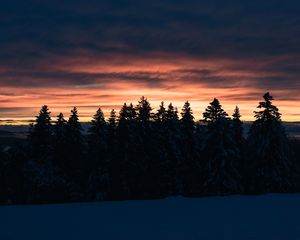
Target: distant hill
20, 131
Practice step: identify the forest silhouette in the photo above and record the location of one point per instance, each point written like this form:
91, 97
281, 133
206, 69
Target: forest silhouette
139, 154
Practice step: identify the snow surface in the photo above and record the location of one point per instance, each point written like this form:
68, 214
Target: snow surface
233, 217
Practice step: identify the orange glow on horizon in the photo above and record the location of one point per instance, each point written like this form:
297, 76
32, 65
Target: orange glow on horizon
110, 81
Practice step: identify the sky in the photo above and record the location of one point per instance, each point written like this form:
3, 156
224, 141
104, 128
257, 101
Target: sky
94, 54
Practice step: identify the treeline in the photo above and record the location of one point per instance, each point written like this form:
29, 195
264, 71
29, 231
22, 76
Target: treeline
143, 155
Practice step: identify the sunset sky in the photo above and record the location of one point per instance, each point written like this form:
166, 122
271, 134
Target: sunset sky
104, 53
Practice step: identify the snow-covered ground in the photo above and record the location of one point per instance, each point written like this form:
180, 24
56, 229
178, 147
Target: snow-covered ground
235, 217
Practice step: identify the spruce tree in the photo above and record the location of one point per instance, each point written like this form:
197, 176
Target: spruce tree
74, 129
112, 121
144, 159
111, 136
214, 111
100, 179
187, 163
187, 117
269, 163
41, 133
143, 110
76, 168
60, 140
268, 112
161, 115
237, 126
172, 167
97, 140
97, 133
172, 114
42, 180
221, 153
122, 165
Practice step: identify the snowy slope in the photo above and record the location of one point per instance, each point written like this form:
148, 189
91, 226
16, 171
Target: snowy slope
234, 217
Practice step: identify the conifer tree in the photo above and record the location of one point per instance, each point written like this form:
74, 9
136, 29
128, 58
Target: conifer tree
60, 140
123, 114
268, 112
75, 167
214, 111
269, 163
100, 179
112, 125
161, 115
221, 173
60, 128
237, 126
124, 156
112, 119
98, 123
41, 178
127, 113
74, 129
171, 169
187, 117
172, 114
97, 140
41, 133
189, 158
143, 110
97, 132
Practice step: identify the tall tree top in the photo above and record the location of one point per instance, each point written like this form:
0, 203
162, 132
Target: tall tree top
161, 114
73, 119
112, 118
236, 114
40, 133
98, 118
269, 111
60, 119
172, 113
44, 116
127, 113
144, 110
214, 111
187, 114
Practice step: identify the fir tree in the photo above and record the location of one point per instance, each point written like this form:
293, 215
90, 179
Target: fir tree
269, 163
161, 115
172, 114
98, 121
143, 110
189, 159
222, 154
127, 113
97, 132
214, 111
171, 169
74, 129
112, 119
42, 179
187, 117
97, 140
269, 112
237, 126
41, 133
99, 181
76, 168
124, 156
112, 125
60, 128
60, 140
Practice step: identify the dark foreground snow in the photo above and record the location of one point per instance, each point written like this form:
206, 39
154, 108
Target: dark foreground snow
234, 217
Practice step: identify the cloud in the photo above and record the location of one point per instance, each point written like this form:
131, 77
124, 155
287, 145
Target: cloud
113, 51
